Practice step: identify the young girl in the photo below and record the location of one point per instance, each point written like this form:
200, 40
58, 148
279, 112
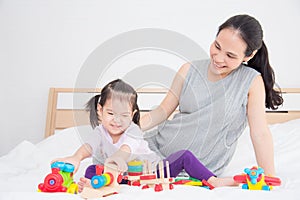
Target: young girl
119, 139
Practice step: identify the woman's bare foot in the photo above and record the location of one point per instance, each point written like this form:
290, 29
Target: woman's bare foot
219, 182
83, 182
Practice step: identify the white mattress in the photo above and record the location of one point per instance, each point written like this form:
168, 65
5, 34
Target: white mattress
22, 169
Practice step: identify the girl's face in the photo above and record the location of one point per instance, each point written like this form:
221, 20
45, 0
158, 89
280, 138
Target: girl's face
227, 52
115, 116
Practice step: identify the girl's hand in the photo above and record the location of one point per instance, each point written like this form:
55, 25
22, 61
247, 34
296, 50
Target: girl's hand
70, 159
120, 162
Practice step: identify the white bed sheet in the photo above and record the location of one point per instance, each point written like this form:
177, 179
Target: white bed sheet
23, 168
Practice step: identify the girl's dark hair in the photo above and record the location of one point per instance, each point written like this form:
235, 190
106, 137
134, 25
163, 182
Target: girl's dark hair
118, 89
251, 32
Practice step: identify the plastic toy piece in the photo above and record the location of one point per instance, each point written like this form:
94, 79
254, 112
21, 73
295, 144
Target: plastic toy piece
254, 179
205, 183
272, 181
103, 180
193, 182
60, 180
188, 181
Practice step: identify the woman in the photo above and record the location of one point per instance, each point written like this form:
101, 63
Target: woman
217, 98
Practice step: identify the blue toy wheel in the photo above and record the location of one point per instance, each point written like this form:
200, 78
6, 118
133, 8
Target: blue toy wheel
58, 164
266, 187
98, 181
245, 186
65, 167
68, 167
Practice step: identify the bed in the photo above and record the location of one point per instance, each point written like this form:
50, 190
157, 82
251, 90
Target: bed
24, 167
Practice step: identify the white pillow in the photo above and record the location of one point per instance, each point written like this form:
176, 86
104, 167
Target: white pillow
65, 142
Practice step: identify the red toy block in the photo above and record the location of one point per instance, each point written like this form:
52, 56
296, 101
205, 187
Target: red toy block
204, 182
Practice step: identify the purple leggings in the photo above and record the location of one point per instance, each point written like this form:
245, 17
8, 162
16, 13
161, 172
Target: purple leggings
178, 161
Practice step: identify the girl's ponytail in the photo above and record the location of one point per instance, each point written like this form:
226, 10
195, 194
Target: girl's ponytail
91, 107
136, 116
260, 62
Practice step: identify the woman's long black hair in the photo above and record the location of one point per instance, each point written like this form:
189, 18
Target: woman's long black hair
116, 87
251, 32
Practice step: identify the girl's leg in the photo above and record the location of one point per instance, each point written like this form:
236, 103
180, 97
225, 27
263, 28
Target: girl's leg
85, 181
186, 160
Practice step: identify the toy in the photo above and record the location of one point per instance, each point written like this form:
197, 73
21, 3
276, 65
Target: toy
103, 184
193, 182
101, 179
135, 170
254, 179
60, 180
141, 173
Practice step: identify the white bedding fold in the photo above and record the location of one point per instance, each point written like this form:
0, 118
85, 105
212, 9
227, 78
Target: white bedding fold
23, 168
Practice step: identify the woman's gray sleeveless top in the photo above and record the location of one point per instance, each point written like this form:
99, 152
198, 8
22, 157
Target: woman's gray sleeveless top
211, 119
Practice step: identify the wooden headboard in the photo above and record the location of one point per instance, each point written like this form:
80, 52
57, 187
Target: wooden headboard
62, 113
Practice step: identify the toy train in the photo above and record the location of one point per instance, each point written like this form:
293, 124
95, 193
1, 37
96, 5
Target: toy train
60, 179
254, 179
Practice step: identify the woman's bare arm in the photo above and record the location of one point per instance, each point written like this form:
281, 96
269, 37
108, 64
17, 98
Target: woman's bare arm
260, 134
169, 103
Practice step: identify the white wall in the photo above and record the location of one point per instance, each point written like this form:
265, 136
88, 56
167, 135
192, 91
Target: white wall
43, 44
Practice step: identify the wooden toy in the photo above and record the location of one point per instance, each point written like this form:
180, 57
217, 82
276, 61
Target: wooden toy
103, 184
147, 176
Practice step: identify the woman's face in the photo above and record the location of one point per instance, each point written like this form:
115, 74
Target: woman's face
227, 52
115, 116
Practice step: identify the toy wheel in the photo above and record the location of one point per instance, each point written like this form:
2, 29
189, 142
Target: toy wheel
266, 187
245, 186
53, 182
58, 164
98, 181
68, 167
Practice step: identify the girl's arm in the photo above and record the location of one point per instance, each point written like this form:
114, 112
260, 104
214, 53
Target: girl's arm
260, 134
120, 158
83, 152
169, 103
